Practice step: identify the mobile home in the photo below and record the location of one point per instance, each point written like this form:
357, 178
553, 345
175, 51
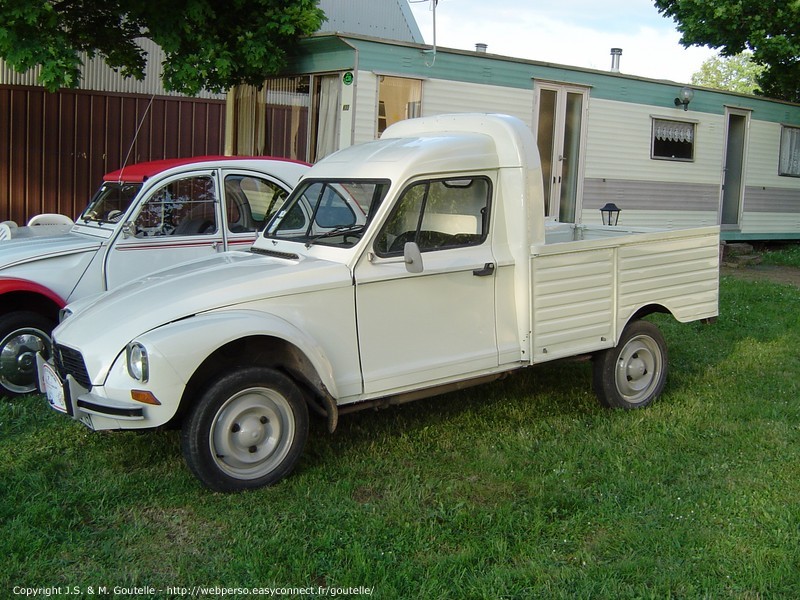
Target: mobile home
667, 154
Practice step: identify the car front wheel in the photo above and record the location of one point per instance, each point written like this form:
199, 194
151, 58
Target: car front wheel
22, 335
247, 430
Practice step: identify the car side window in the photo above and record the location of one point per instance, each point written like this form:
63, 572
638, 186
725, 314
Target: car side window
181, 207
251, 201
438, 215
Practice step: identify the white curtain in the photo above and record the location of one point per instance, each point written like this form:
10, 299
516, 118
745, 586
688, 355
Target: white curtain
674, 131
250, 120
328, 116
790, 151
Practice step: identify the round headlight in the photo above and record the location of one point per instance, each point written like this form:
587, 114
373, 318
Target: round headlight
138, 366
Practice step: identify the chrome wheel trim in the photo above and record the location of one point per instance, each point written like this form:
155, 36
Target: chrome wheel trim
18, 359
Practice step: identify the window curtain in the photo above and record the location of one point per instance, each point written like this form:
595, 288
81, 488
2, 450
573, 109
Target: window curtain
250, 121
790, 151
328, 116
674, 131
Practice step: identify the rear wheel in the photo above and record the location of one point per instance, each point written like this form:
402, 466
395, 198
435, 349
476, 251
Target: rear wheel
632, 374
22, 334
247, 431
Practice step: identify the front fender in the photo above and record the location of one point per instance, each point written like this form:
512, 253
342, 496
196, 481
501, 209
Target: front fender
15, 284
185, 344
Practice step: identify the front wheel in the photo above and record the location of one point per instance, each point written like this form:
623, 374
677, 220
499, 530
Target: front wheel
247, 431
632, 374
22, 335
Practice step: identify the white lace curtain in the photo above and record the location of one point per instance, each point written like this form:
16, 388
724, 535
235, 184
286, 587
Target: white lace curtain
674, 131
790, 151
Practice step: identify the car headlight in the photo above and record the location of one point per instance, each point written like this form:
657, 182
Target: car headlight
138, 365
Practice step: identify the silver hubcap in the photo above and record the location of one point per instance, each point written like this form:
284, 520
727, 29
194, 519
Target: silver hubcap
252, 433
18, 359
638, 369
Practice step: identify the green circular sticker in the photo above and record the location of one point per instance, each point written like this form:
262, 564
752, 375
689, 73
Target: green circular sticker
347, 78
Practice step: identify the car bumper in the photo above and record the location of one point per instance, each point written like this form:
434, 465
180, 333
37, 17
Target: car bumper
65, 395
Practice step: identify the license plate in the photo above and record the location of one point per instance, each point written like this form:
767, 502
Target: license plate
53, 388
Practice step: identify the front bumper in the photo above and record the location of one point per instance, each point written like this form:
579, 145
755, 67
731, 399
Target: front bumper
67, 396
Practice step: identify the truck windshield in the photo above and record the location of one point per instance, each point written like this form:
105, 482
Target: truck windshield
332, 213
110, 203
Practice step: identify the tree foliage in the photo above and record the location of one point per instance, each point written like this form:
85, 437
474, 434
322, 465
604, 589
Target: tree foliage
768, 28
733, 73
211, 44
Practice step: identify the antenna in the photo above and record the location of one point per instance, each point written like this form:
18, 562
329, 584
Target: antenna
433, 50
135, 136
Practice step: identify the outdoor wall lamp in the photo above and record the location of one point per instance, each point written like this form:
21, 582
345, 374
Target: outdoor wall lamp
610, 213
686, 95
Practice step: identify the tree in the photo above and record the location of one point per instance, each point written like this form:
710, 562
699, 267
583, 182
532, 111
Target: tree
733, 73
211, 44
768, 28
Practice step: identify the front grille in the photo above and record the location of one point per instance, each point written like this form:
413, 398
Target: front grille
70, 362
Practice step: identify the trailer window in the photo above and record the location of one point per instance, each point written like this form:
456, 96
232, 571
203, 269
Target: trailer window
673, 140
789, 162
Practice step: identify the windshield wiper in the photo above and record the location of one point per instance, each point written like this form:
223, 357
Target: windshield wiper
335, 231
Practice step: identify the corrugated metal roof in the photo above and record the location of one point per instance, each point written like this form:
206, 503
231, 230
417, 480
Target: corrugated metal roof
97, 76
388, 19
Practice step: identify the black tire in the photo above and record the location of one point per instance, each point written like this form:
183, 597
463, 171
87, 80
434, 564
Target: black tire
247, 430
23, 333
632, 374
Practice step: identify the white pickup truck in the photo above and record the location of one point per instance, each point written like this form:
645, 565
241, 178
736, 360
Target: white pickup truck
397, 269
144, 217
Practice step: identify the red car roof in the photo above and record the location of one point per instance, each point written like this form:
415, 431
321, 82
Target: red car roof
144, 170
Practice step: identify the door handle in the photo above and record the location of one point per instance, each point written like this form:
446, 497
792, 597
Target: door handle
487, 270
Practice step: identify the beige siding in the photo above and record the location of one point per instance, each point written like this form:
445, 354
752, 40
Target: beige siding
365, 124
618, 144
771, 222
440, 97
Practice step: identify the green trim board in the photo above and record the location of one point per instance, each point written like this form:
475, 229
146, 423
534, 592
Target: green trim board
332, 52
736, 236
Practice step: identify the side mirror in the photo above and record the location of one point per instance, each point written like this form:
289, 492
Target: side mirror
412, 257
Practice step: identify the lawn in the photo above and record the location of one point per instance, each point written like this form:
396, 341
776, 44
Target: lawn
787, 254
524, 488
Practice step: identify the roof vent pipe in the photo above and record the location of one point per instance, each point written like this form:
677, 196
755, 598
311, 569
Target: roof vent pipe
481, 48
615, 54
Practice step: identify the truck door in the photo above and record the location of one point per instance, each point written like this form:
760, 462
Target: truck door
440, 323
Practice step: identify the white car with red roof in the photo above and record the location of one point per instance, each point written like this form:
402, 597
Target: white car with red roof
144, 217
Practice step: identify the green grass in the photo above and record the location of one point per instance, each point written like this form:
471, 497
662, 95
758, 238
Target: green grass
524, 488
786, 255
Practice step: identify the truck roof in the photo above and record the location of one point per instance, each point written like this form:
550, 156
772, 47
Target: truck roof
143, 171
437, 144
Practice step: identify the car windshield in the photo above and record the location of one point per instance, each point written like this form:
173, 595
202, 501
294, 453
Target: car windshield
111, 202
332, 213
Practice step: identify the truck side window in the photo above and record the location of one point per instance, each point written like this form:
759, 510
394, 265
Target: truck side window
437, 215
181, 207
250, 201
